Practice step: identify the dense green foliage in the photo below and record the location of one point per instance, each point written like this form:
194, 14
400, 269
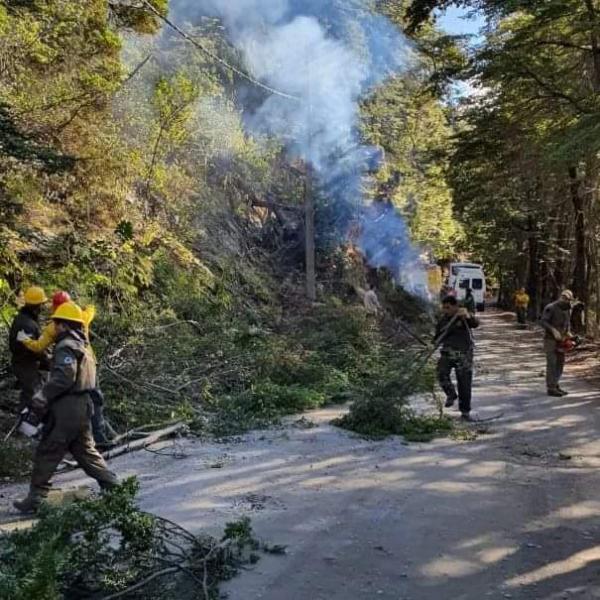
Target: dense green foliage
98, 547
525, 172
126, 177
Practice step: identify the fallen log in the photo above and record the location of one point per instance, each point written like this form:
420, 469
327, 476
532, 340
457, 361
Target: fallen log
144, 442
134, 445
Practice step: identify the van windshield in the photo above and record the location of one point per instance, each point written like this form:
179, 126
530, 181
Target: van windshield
464, 284
457, 268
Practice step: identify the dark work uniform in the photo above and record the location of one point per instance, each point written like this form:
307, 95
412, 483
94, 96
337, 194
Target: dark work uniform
469, 304
555, 316
457, 354
67, 424
25, 364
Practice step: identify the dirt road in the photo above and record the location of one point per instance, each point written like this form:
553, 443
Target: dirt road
514, 513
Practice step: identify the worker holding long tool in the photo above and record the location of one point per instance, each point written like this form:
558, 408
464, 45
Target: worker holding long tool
453, 334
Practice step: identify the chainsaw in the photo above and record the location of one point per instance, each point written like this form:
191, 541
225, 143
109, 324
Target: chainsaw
569, 344
27, 423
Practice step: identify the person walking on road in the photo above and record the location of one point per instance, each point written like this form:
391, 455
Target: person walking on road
101, 429
65, 405
453, 332
25, 363
521, 300
556, 322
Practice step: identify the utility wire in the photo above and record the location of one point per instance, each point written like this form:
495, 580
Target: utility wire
216, 58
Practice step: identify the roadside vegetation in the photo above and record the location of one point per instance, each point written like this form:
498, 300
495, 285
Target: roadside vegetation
128, 179
107, 548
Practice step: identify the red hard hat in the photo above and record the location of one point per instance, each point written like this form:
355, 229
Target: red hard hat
60, 298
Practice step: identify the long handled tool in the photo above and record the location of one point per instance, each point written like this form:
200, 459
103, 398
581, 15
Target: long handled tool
412, 334
12, 430
419, 363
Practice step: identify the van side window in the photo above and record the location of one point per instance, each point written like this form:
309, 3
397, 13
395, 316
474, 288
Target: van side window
464, 284
477, 284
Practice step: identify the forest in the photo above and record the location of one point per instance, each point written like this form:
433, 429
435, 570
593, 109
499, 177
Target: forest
132, 177
224, 180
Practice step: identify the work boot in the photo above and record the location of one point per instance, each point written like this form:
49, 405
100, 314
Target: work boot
29, 505
556, 393
450, 402
106, 487
466, 416
562, 392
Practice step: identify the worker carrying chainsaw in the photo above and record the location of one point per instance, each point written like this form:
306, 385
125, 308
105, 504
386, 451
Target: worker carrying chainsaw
521, 300
25, 363
64, 405
453, 334
558, 339
102, 431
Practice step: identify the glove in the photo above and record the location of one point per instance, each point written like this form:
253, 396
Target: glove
23, 337
39, 403
463, 312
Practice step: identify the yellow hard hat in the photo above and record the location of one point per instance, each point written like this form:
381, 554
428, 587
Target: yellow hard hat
35, 296
69, 311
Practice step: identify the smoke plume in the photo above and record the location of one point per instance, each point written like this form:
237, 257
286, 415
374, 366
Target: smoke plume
328, 55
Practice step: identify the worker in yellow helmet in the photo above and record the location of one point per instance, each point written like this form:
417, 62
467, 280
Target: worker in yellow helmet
101, 429
25, 363
64, 404
48, 334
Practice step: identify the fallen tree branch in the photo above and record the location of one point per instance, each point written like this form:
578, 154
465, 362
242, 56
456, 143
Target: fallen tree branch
141, 584
152, 386
143, 431
193, 324
139, 444
144, 442
407, 329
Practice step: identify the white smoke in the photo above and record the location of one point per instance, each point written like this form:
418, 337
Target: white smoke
329, 54
327, 57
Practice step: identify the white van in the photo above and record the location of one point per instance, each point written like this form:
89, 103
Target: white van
468, 275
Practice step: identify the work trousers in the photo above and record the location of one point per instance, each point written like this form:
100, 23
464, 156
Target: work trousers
30, 381
462, 364
98, 421
67, 429
521, 315
555, 364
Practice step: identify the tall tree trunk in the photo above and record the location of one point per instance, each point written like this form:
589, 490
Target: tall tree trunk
595, 43
579, 270
561, 247
580, 287
533, 274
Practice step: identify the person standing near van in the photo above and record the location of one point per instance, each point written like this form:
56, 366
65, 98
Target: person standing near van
469, 302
